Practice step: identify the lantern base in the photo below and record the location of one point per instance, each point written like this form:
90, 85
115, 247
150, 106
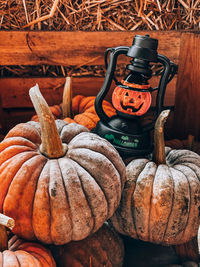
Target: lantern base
127, 144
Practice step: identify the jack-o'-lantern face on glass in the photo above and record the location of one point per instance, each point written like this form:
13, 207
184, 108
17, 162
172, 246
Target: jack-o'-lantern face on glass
131, 102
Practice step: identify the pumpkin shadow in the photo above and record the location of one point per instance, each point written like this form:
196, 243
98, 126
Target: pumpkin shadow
144, 254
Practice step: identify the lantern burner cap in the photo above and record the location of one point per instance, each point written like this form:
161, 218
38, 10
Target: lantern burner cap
144, 47
140, 66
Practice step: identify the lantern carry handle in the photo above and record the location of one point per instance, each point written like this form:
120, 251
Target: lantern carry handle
166, 76
114, 53
106, 63
163, 82
174, 70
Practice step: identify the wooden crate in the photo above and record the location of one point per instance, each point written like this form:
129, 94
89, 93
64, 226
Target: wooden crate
88, 48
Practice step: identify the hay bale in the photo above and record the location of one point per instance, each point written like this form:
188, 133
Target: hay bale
106, 15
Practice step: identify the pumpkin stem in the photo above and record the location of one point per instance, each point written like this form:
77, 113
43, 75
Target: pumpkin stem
5, 221
190, 144
51, 146
159, 142
67, 99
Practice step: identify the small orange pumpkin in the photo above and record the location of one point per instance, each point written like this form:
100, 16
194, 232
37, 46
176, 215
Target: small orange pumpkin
85, 113
79, 109
17, 252
103, 248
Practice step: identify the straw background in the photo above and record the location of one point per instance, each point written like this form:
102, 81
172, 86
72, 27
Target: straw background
100, 15
92, 15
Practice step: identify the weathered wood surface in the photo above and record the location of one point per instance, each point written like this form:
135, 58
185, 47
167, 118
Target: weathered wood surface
10, 118
75, 48
187, 100
88, 48
14, 91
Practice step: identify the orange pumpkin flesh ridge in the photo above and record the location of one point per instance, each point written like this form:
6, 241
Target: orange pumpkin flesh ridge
87, 115
59, 197
33, 254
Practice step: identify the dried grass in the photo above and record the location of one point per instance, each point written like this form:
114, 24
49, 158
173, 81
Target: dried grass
63, 71
92, 15
98, 15
56, 71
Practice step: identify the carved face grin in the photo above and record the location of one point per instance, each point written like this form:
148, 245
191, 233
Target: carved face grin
130, 108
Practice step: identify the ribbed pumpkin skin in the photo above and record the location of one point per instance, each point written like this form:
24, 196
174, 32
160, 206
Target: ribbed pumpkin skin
59, 200
103, 248
84, 111
23, 254
183, 144
56, 111
81, 104
160, 204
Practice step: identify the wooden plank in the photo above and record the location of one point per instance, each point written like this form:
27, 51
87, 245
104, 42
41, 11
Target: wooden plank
13, 117
187, 107
14, 91
2, 116
169, 99
75, 48
18, 108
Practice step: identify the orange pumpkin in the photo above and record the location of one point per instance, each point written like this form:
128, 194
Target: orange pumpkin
23, 253
87, 104
103, 248
85, 113
49, 181
79, 109
17, 252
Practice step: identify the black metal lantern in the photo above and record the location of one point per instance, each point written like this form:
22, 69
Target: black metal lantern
130, 130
